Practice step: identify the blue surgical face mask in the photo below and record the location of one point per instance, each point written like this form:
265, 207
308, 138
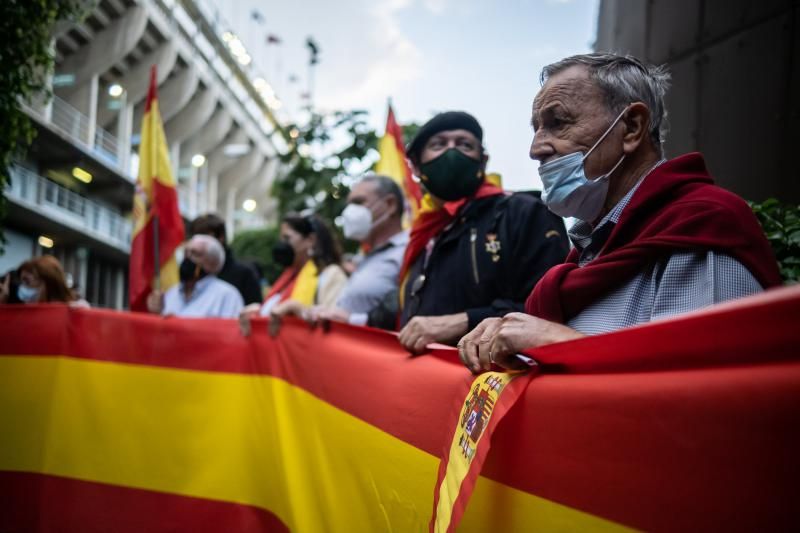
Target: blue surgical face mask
27, 294
567, 191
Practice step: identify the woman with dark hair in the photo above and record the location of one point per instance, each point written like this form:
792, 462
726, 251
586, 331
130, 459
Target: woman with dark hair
312, 273
42, 280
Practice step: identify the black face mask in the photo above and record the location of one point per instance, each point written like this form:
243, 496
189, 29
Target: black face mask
452, 175
190, 271
283, 253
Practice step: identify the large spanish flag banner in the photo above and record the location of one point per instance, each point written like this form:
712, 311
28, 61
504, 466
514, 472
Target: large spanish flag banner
156, 218
131, 422
392, 163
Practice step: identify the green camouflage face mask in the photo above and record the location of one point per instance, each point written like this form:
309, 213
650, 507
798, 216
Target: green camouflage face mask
452, 175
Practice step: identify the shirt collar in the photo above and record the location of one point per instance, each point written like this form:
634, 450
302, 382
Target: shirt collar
199, 286
581, 232
398, 239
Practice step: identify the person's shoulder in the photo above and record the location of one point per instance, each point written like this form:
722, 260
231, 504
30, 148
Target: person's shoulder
400, 238
80, 303
228, 293
172, 291
334, 269
524, 204
710, 199
221, 285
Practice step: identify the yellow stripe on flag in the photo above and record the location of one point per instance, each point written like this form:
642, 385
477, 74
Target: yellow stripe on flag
497, 507
391, 162
247, 439
154, 164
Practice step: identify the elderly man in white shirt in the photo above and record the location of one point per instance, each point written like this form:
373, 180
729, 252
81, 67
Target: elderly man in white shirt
200, 294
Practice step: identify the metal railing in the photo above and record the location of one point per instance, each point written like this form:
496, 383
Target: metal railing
107, 146
72, 122
185, 19
68, 207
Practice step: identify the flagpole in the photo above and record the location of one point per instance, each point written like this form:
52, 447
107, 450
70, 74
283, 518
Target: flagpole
156, 259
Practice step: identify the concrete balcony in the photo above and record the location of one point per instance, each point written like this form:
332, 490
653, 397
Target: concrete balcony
62, 206
65, 119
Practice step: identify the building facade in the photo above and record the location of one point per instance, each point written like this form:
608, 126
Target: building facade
71, 194
736, 79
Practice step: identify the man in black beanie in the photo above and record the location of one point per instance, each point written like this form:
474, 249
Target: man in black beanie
474, 251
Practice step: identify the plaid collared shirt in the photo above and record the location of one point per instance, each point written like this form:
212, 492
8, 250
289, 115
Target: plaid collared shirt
680, 283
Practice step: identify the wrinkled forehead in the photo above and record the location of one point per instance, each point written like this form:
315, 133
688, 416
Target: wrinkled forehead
571, 86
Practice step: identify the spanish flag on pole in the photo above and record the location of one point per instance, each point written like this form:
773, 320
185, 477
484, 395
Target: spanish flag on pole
392, 162
158, 227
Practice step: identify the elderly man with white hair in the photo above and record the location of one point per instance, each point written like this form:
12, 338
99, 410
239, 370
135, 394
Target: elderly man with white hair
654, 237
200, 293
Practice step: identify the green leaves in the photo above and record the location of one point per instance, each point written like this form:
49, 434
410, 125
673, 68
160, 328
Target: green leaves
332, 151
781, 224
25, 60
256, 246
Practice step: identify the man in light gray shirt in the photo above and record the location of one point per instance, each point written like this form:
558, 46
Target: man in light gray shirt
373, 216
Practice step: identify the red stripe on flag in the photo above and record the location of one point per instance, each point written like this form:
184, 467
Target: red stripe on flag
37, 502
764, 332
393, 128
691, 448
700, 450
299, 356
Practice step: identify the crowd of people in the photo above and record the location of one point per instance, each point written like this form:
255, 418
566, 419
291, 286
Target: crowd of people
489, 271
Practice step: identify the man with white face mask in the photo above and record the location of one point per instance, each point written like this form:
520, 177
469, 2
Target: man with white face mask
373, 217
654, 238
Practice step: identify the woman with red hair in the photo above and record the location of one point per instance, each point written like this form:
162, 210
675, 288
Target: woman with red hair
42, 280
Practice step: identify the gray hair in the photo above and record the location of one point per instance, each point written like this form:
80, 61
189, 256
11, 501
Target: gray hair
387, 186
624, 80
214, 253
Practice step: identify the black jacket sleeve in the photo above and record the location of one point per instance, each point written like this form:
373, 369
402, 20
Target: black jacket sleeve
537, 241
384, 315
250, 287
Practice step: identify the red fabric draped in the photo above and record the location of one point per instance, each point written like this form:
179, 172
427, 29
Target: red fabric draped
284, 284
431, 223
676, 209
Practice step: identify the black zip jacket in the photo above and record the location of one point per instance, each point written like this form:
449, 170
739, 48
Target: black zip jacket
488, 261
242, 277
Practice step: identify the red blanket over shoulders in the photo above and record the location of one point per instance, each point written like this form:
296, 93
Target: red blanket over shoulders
677, 208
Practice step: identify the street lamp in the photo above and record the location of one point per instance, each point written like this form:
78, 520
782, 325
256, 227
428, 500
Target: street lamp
115, 90
249, 205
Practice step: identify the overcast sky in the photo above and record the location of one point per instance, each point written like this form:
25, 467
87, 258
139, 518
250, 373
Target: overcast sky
426, 55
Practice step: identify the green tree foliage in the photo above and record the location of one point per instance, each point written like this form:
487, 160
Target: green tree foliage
26, 28
331, 152
781, 224
256, 246
409, 131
